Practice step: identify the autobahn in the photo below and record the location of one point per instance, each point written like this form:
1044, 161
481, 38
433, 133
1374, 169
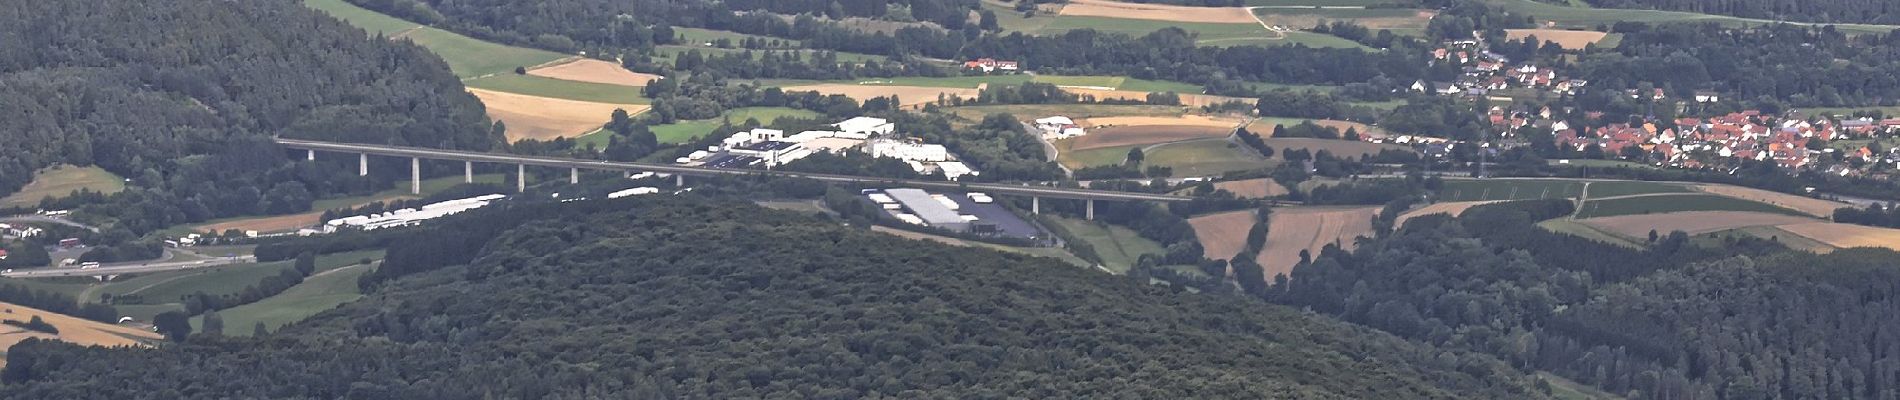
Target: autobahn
580, 164
121, 269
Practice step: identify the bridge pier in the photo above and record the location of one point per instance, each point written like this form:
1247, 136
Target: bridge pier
573, 176
468, 172
679, 180
1035, 205
1090, 215
310, 155
521, 178
415, 175
362, 164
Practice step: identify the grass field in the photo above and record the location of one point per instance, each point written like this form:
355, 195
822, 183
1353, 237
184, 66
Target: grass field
1574, 228
698, 36
1574, 17
1604, 189
685, 131
560, 89
1204, 157
216, 281
1508, 189
1207, 34
1120, 83
1674, 203
1790, 239
670, 52
1565, 389
1051, 252
1119, 247
1029, 112
62, 180
318, 293
374, 22
1398, 20
1315, 3
466, 56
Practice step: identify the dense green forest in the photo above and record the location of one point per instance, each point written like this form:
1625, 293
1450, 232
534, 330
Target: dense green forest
1671, 321
691, 298
182, 98
1856, 11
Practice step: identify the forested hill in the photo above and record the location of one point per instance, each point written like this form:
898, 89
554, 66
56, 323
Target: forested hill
686, 298
1845, 11
140, 87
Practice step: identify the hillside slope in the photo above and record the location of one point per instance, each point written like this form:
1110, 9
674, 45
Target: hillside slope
680, 299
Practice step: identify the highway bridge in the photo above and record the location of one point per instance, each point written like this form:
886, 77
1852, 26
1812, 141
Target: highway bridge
575, 165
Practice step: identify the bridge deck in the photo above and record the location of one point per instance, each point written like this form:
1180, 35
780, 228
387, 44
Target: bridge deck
559, 162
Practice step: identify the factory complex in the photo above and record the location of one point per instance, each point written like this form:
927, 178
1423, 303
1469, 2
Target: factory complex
770, 148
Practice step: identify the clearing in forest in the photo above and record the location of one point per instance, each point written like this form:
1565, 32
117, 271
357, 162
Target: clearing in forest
1691, 222
543, 118
1157, 12
1099, 138
1291, 230
1223, 235
594, 71
60, 181
1569, 39
1847, 235
1253, 188
71, 329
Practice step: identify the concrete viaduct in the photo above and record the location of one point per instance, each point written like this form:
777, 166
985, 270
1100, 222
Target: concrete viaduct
575, 165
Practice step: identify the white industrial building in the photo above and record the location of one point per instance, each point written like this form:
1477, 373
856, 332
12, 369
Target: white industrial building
1058, 127
409, 216
909, 151
633, 192
922, 208
866, 126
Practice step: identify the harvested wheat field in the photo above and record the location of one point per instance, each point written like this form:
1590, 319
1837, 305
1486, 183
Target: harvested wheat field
908, 95
1847, 235
1452, 208
1293, 229
594, 71
1692, 222
1252, 188
71, 329
1183, 120
544, 118
1187, 99
1342, 148
1158, 12
1142, 135
1806, 205
1570, 40
1222, 235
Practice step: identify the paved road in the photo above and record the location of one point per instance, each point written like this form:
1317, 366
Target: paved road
127, 268
558, 162
49, 220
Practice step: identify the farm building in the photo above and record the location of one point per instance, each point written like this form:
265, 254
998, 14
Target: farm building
1058, 127
928, 209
